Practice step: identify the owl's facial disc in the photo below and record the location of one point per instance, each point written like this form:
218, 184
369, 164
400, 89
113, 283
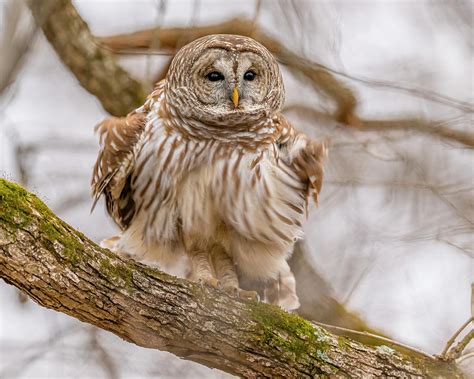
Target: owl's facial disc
231, 81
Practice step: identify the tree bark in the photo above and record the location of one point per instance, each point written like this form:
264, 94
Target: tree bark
94, 66
62, 269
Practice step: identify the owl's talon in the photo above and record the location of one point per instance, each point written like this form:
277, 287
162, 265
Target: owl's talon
235, 291
248, 295
231, 290
211, 282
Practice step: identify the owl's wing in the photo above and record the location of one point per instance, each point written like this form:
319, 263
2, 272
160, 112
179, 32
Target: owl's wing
111, 176
304, 155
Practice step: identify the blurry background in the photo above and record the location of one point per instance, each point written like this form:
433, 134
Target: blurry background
393, 234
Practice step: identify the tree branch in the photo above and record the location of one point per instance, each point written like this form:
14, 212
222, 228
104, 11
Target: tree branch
435, 128
95, 67
63, 270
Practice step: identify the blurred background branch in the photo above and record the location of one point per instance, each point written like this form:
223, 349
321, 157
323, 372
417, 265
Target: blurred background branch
172, 39
95, 68
14, 44
439, 129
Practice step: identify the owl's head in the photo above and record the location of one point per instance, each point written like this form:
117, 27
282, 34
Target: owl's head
225, 79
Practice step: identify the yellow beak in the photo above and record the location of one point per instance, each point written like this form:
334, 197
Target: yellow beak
235, 97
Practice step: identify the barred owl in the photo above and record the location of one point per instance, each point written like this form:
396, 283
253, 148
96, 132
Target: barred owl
207, 179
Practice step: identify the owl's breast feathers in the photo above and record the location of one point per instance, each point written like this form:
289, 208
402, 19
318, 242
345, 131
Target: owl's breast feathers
172, 182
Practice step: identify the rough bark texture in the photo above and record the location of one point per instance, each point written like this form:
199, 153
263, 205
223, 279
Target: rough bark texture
94, 67
101, 75
61, 269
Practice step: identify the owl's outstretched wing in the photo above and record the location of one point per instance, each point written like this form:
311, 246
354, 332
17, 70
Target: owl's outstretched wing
112, 171
303, 154
304, 157
119, 139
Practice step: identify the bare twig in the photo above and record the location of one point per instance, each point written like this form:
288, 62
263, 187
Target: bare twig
438, 128
422, 93
456, 351
464, 356
451, 341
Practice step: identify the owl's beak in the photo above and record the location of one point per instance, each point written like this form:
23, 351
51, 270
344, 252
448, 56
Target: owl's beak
235, 97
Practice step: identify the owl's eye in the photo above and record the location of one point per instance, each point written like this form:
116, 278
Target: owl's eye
250, 75
215, 76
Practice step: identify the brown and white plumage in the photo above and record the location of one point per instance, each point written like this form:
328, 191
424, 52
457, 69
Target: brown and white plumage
208, 179
118, 136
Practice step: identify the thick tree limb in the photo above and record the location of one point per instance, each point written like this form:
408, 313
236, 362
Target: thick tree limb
61, 269
101, 75
94, 67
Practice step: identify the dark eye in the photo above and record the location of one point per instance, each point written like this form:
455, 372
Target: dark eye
250, 75
215, 76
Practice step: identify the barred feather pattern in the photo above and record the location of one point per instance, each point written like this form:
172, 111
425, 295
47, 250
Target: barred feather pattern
251, 196
114, 163
173, 181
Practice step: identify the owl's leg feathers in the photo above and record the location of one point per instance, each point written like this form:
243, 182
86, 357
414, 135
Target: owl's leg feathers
282, 290
112, 244
271, 292
248, 295
225, 270
202, 271
227, 275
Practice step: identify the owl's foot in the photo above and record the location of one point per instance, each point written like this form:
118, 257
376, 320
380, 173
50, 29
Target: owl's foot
249, 295
211, 282
282, 291
126, 255
235, 291
112, 244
